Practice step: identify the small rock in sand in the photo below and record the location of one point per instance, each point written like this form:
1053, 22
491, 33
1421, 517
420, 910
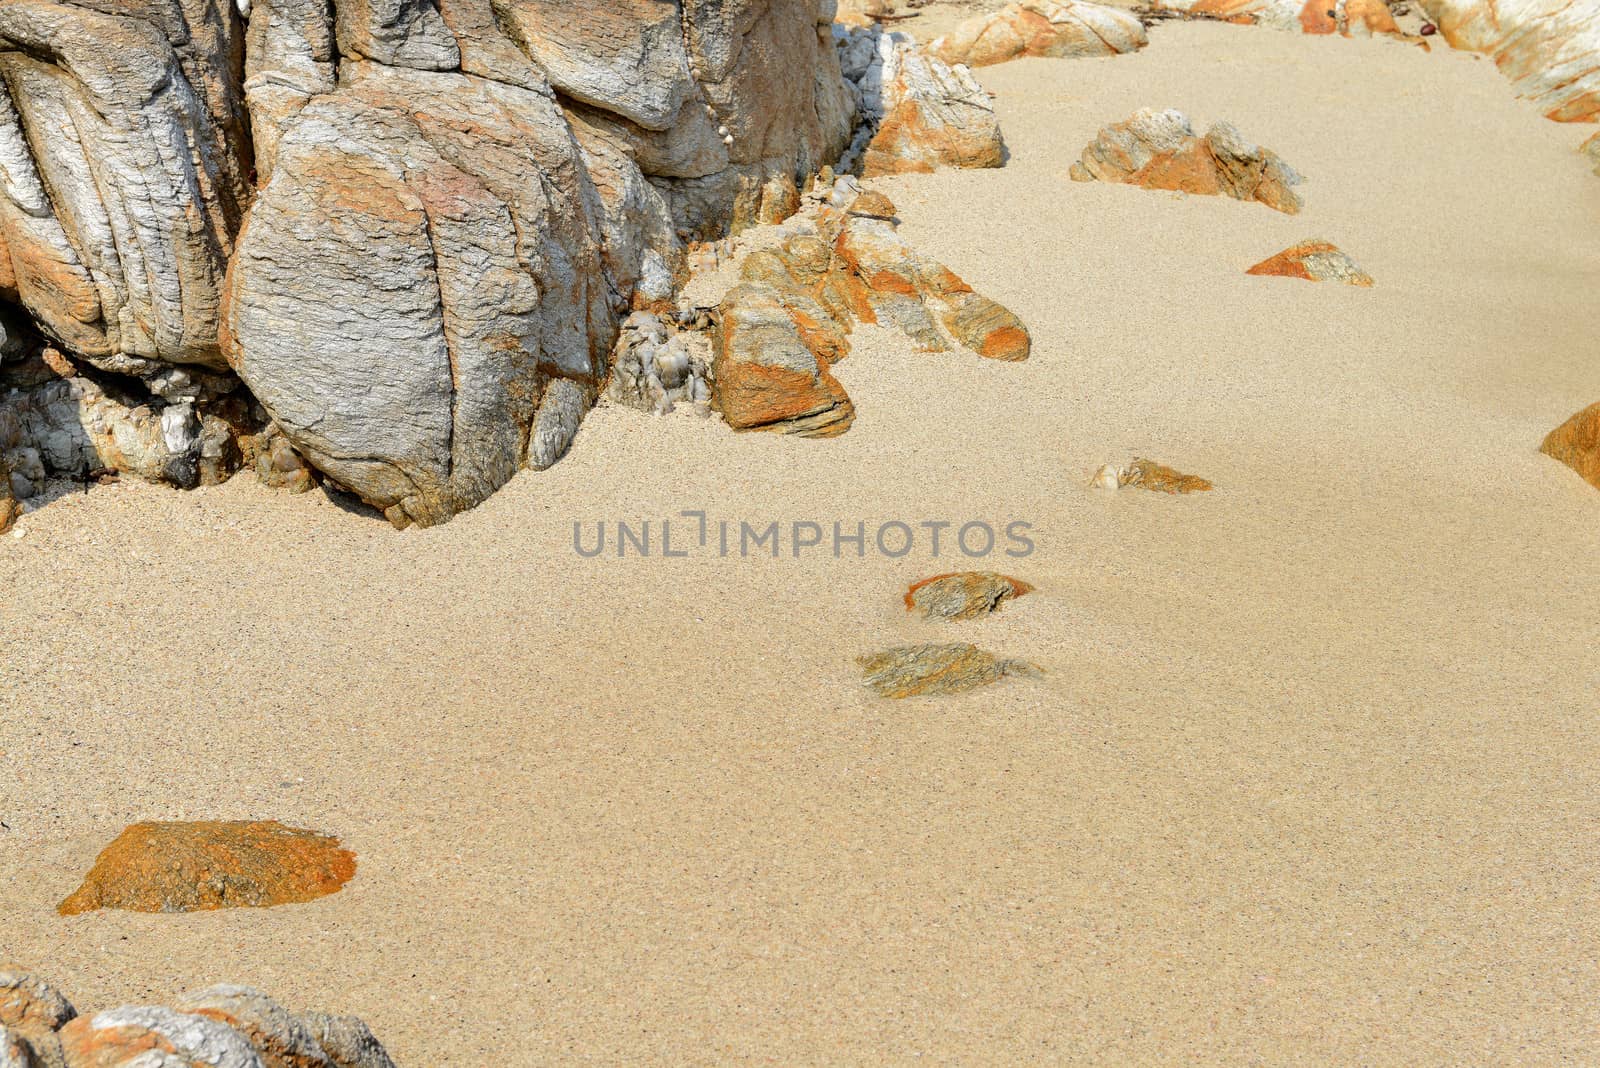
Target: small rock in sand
1315, 261
1147, 474
916, 670
963, 594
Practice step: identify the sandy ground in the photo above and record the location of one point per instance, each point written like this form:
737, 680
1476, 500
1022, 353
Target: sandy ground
1312, 776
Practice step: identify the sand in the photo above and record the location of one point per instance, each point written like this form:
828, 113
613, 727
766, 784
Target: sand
1312, 775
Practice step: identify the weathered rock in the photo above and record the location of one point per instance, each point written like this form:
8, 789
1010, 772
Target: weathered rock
1591, 148
125, 162
1347, 18
933, 115
963, 594
1147, 474
1159, 150
661, 362
347, 1041
1046, 28
29, 1005
1576, 443
1315, 261
278, 1037
199, 866
148, 1036
837, 263
1550, 49
15, 1051
10, 509
916, 670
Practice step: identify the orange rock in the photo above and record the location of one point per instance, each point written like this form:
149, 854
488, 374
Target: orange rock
1159, 150
30, 1005
1576, 443
963, 594
766, 375
933, 117
1316, 261
194, 867
1046, 28
1347, 18
934, 669
1550, 49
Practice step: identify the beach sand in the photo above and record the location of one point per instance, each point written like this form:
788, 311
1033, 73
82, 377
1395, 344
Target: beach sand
1312, 774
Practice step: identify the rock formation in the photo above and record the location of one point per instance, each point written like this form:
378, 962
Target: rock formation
937, 669
194, 867
1576, 443
1315, 261
1147, 474
1047, 28
963, 594
918, 113
1347, 18
219, 1027
838, 262
1550, 49
1159, 150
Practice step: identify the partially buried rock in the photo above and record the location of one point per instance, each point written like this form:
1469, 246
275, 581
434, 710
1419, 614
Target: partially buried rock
149, 1036
1315, 261
1147, 474
917, 670
29, 1004
963, 594
1045, 28
1591, 148
194, 867
1576, 443
1159, 150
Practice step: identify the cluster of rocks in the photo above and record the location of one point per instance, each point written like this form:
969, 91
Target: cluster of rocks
662, 361
838, 262
1347, 18
222, 1026
1044, 28
1158, 149
199, 866
1315, 261
937, 668
1549, 49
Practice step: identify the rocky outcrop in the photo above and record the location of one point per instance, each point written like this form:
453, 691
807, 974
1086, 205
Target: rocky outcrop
1147, 474
918, 113
200, 866
1159, 150
1550, 49
1315, 261
837, 263
963, 594
937, 669
1347, 18
1576, 443
1045, 28
219, 1027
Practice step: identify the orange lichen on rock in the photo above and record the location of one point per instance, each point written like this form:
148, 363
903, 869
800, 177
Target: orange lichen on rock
200, 866
963, 594
1347, 18
1549, 49
1159, 150
1147, 474
1576, 443
1044, 28
933, 116
1315, 261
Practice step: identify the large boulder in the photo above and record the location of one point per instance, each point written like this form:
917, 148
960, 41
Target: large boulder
1046, 28
923, 113
1159, 150
1550, 49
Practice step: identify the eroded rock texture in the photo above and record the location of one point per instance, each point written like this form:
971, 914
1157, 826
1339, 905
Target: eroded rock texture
204, 865
219, 1027
963, 594
937, 669
1550, 49
1046, 28
1315, 261
1159, 150
837, 263
1347, 18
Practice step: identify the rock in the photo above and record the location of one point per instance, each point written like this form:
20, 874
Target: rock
29, 1005
1576, 443
933, 116
963, 594
1047, 28
279, 1038
839, 262
148, 1036
1316, 261
10, 509
15, 1052
917, 670
192, 867
554, 428
1159, 150
347, 1041
1550, 49
862, 13
125, 163
1591, 148
1147, 474
1347, 18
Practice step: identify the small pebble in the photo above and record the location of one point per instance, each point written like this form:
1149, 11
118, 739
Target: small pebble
1429, 29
